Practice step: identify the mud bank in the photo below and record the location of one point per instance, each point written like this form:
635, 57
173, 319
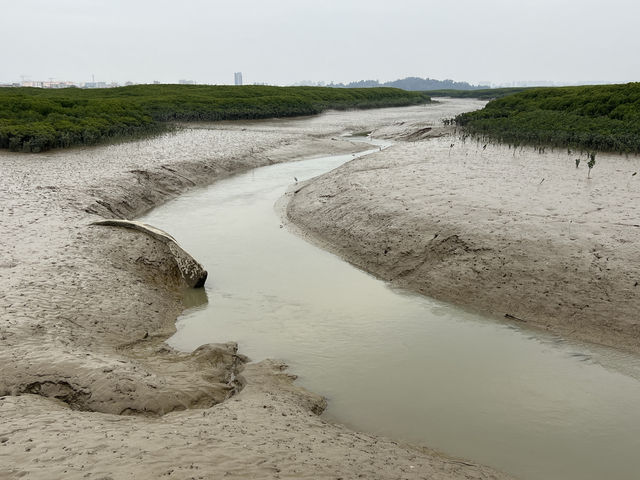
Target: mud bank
89, 388
525, 236
87, 308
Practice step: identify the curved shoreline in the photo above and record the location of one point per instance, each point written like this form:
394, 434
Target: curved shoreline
64, 340
86, 312
513, 234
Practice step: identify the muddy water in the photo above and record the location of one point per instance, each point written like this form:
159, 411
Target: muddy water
396, 363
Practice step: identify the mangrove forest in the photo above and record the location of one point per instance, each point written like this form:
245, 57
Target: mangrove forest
589, 118
482, 94
35, 120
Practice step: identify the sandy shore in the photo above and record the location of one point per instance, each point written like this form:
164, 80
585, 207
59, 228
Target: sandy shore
89, 388
521, 235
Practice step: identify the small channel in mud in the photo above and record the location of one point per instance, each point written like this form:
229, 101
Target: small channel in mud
392, 362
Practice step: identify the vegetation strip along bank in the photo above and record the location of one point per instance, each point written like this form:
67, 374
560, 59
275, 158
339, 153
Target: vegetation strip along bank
35, 120
482, 94
588, 118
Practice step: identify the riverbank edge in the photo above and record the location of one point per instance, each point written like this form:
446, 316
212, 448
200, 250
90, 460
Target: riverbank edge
150, 190
102, 348
359, 250
272, 375
144, 190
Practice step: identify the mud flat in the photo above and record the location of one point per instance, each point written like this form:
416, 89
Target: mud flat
90, 389
525, 236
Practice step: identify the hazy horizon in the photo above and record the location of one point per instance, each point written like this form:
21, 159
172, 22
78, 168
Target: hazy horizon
287, 42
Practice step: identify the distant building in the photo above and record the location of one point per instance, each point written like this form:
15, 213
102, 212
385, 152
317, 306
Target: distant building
52, 84
49, 84
237, 78
186, 82
95, 85
33, 84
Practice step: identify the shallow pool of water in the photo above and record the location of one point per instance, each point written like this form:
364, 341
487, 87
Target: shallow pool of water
396, 363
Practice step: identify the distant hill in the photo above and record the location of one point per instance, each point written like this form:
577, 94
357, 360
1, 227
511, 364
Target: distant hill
412, 83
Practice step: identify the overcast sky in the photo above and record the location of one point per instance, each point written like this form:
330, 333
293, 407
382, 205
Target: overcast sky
286, 41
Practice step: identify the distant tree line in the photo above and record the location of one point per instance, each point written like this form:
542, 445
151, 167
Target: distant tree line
413, 84
589, 118
482, 94
35, 120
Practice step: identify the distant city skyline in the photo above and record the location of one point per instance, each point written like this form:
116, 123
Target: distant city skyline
238, 80
285, 42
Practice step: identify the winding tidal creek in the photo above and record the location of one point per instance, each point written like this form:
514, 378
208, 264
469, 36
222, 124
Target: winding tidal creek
392, 362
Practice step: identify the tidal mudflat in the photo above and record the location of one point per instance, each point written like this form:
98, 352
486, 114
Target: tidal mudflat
89, 386
390, 361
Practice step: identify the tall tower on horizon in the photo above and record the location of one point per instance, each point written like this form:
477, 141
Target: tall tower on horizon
237, 78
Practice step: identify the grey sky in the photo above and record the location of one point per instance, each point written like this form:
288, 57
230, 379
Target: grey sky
282, 42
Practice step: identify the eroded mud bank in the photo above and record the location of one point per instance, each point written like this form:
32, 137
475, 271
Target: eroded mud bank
85, 311
516, 233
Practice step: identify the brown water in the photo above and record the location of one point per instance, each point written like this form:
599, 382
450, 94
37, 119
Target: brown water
396, 363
